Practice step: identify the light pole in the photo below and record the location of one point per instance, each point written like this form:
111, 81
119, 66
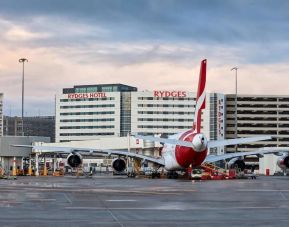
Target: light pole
236, 109
22, 60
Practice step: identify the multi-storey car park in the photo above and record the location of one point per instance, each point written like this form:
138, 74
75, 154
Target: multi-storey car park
258, 115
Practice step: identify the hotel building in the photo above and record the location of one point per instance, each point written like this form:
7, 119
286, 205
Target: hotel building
91, 111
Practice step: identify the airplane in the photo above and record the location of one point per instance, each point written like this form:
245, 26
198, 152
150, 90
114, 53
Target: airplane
181, 150
283, 161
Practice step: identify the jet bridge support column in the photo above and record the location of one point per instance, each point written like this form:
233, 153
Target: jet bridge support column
44, 167
30, 167
54, 163
22, 163
14, 167
36, 164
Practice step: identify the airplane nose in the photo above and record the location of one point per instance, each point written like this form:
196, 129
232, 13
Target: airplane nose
199, 143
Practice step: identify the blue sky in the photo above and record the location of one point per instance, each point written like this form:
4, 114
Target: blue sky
155, 44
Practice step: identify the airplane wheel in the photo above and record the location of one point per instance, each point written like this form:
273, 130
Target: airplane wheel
175, 175
169, 176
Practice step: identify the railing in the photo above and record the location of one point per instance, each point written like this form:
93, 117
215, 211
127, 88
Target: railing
214, 169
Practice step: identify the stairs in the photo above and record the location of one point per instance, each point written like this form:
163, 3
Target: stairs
213, 169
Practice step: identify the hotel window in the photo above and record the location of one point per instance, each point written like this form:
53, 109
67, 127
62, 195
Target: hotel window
80, 90
91, 89
107, 89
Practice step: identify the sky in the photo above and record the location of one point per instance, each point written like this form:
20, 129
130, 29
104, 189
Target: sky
150, 44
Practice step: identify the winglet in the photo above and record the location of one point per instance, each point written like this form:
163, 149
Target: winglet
201, 97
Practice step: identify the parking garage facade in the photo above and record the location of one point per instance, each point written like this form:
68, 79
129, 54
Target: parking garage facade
256, 116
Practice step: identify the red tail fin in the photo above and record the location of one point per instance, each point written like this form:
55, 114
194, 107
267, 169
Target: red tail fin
201, 97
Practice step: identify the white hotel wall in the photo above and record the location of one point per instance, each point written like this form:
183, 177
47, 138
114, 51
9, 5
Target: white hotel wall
135, 113
115, 116
213, 120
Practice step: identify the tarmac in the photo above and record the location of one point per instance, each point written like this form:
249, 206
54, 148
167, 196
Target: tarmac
119, 201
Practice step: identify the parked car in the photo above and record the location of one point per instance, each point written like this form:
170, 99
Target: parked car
196, 174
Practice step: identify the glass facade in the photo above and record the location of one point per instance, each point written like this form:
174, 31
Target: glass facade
99, 88
125, 113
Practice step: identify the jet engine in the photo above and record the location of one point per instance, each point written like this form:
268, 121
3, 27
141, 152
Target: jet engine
283, 162
74, 160
119, 165
236, 163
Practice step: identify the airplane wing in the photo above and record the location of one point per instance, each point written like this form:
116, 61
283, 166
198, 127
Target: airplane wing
51, 149
211, 144
261, 151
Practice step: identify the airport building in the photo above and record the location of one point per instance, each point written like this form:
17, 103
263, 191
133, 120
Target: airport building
33, 126
17, 156
92, 111
12, 126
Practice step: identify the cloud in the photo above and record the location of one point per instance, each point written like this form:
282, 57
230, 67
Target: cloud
17, 33
50, 70
219, 21
149, 44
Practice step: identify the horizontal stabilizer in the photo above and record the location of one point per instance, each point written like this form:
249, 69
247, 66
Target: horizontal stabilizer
163, 140
261, 151
213, 143
220, 143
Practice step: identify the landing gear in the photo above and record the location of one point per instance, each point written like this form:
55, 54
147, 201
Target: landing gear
172, 175
156, 175
131, 174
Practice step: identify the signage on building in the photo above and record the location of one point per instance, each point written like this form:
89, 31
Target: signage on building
174, 94
220, 117
220, 107
87, 95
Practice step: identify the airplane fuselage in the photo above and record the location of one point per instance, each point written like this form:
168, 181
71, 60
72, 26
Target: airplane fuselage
179, 157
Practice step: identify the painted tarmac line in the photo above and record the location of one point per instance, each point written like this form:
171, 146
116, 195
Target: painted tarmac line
42, 200
67, 198
169, 208
262, 190
10, 202
283, 196
115, 218
121, 200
